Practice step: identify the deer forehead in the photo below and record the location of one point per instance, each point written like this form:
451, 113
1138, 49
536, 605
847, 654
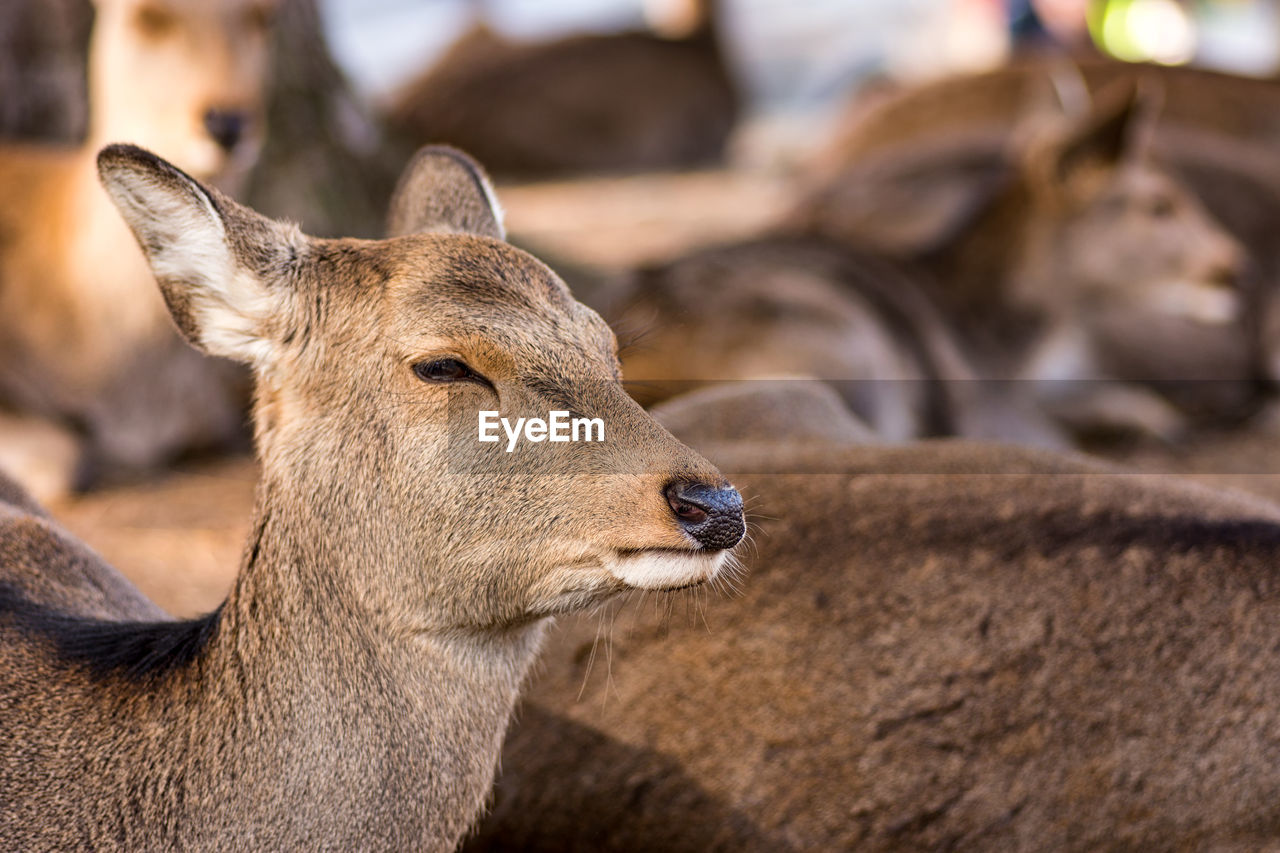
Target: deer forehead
226, 39
1142, 179
450, 291
1132, 183
190, 9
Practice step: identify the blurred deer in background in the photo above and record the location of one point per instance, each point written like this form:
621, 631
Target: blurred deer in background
86, 347
587, 103
786, 306
1059, 284
1083, 266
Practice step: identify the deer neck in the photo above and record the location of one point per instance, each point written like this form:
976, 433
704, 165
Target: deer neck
107, 78
413, 720
986, 267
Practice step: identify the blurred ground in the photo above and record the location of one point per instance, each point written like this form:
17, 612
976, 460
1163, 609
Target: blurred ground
613, 223
177, 537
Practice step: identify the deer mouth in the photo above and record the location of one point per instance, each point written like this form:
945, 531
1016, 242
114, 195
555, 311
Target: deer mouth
1210, 302
666, 569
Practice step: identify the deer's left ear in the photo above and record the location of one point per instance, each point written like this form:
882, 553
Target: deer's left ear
228, 274
1117, 130
443, 189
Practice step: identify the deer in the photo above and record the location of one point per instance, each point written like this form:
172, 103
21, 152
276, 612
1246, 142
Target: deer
1088, 295
989, 104
659, 98
86, 346
1084, 266
802, 308
353, 688
943, 645
928, 154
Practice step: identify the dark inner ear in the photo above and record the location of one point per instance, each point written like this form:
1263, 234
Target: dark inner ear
443, 189
1116, 130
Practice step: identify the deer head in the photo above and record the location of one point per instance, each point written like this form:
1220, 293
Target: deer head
373, 360
1116, 231
186, 77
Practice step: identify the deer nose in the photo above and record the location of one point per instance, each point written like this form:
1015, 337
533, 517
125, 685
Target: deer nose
712, 516
225, 126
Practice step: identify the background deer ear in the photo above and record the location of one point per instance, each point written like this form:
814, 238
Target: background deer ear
443, 189
1116, 130
224, 270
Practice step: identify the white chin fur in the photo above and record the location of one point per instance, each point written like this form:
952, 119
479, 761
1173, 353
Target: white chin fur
666, 569
1208, 304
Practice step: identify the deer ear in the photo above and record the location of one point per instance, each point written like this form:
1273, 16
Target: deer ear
226, 272
1117, 130
443, 189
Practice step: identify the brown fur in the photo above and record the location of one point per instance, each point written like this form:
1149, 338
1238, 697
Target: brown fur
780, 307
762, 410
941, 647
991, 102
353, 689
591, 103
84, 342
792, 306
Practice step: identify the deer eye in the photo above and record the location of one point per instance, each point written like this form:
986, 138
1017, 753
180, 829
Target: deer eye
260, 18
446, 370
154, 21
1161, 207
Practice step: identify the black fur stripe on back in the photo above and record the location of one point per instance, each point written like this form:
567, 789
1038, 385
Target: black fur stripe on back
139, 651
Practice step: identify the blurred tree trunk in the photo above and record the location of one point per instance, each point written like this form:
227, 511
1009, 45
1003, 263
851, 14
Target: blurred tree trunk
43, 92
327, 163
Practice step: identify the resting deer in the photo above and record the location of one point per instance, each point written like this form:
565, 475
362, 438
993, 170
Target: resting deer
353, 689
793, 306
85, 342
585, 103
942, 646
1082, 265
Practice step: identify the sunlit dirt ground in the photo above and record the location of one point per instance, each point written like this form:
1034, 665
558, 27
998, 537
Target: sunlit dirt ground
614, 223
178, 537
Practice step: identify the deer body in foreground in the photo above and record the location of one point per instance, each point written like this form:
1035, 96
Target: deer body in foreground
951, 646
353, 689
84, 341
